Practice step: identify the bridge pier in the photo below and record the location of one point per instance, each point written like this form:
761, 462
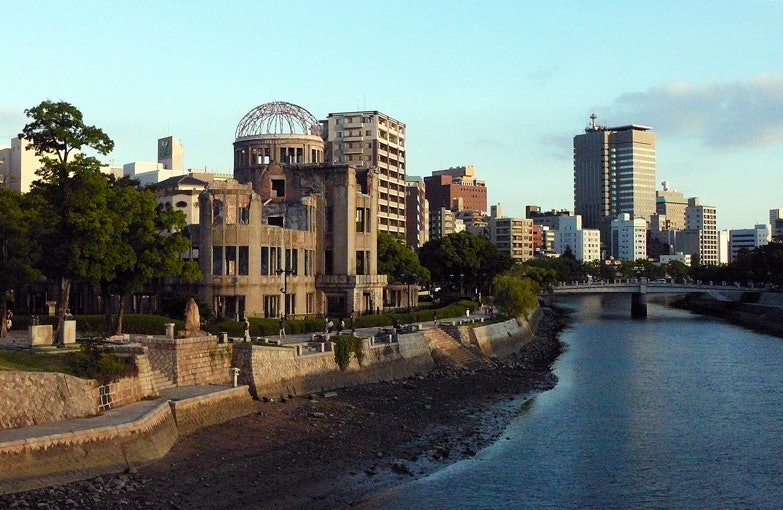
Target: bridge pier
638, 305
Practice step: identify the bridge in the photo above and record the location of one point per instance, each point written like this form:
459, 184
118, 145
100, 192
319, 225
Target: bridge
638, 288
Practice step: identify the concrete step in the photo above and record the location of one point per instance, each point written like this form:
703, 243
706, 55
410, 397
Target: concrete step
461, 354
161, 380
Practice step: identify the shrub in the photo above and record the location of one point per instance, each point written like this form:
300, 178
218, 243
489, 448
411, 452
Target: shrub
344, 346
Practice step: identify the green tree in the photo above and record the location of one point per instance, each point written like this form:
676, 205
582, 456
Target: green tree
397, 261
19, 223
152, 241
80, 231
514, 295
464, 261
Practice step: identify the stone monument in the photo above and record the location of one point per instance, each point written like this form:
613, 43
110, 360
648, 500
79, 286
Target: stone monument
192, 321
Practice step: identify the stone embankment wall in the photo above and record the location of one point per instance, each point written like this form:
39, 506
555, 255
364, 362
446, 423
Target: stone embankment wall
34, 462
759, 311
60, 458
272, 371
204, 411
190, 361
33, 398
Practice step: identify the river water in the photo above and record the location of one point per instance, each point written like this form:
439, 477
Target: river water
676, 411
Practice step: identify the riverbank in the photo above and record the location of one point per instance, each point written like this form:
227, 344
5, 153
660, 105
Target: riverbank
327, 451
757, 311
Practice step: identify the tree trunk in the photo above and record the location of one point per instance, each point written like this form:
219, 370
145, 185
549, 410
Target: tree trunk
4, 327
106, 296
65, 294
119, 314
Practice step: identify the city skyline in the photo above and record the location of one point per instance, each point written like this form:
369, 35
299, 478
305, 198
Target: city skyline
501, 86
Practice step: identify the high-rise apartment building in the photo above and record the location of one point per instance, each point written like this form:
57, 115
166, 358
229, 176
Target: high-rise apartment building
614, 173
417, 213
373, 140
700, 237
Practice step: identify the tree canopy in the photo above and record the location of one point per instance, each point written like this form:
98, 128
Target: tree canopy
397, 261
464, 260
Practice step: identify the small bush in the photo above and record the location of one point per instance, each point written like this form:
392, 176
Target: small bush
344, 346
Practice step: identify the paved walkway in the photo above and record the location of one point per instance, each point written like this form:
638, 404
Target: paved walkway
111, 418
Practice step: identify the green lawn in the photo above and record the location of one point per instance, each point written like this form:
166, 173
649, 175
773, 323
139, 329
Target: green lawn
11, 359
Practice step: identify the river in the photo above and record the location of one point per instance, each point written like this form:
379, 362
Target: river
675, 411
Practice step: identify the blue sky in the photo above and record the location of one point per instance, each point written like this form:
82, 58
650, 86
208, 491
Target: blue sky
501, 85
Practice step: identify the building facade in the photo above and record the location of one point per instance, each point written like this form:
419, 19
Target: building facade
456, 189
614, 173
584, 244
289, 235
701, 233
748, 239
371, 139
629, 238
417, 213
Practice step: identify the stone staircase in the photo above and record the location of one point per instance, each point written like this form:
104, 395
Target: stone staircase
462, 355
160, 381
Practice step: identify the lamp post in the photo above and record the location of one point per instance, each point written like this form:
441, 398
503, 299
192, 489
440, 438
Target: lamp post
284, 289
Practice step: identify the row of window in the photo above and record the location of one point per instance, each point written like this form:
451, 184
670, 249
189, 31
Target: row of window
235, 261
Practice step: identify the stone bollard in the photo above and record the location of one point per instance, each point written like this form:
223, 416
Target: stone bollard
222, 337
169, 329
235, 375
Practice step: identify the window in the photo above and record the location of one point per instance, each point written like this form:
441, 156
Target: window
362, 219
182, 204
231, 260
278, 187
328, 262
243, 215
244, 260
217, 212
330, 220
217, 260
360, 266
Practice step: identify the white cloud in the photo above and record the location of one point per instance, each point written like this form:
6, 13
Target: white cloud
722, 115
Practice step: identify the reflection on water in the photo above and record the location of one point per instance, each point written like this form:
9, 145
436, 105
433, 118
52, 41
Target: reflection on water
676, 411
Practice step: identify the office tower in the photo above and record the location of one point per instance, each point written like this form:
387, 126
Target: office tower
373, 140
456, 189
614, 173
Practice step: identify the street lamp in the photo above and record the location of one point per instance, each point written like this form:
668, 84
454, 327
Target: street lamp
284, 289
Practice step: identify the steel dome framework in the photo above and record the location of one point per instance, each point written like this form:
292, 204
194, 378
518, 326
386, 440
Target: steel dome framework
278, 118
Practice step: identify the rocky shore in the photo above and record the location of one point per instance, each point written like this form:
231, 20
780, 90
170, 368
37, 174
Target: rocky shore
327, 451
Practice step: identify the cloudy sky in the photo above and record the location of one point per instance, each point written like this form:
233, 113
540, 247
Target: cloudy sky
500, 85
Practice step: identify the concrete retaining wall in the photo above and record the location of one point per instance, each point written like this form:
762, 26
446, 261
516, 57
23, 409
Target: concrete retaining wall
198, 412
52, 460
505, 338
94, 447
272, 371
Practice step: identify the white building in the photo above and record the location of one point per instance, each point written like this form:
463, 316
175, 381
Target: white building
628, 238
704, 220
585, 244
676, 257
748, 239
